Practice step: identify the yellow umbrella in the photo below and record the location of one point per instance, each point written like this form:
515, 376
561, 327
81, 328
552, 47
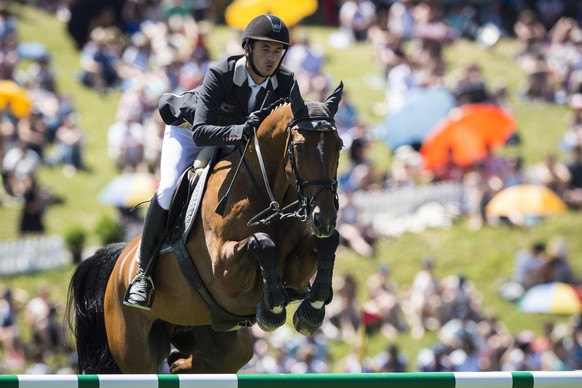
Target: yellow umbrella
241, 12
16, 97
526, 199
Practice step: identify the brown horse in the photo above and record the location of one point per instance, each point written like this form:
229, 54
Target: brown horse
244, 259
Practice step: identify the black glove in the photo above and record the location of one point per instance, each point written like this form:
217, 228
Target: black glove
253, 121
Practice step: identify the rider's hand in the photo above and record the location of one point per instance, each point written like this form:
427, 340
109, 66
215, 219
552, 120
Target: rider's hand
253, 121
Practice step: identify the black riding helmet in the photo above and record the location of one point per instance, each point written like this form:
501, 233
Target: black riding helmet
267, 28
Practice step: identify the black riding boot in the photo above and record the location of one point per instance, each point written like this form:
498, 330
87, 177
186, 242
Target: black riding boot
140, 292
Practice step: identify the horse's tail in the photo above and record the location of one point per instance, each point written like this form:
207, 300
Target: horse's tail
86, 296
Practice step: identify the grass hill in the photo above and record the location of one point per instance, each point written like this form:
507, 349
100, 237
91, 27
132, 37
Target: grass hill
485, 256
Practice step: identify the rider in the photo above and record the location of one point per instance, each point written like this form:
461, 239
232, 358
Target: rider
221, 116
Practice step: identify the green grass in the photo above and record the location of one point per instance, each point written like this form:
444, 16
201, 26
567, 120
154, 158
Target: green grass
485, 256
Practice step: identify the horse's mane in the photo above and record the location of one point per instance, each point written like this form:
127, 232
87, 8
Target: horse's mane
266, 111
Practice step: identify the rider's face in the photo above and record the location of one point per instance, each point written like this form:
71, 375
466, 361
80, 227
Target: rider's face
266, 56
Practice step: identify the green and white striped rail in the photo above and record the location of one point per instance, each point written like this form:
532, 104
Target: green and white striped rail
340, 380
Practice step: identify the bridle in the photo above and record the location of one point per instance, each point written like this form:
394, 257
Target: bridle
303, 206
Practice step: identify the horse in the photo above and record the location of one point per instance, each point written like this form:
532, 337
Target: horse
250, 252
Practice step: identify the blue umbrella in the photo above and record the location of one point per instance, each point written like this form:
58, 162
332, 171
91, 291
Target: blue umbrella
32, 50
410, 125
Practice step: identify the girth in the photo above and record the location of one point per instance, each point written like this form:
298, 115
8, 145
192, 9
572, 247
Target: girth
221, 320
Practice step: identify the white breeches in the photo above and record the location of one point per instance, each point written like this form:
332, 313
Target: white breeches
178, 153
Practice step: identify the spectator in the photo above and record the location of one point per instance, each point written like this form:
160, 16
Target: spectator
19, 162
38, 365
8, 25
478, 191
33, 131
33, 209
520, 356
7, 134
539, 85
41, 314
383, 311
529, 264
557, 357
100, 60
550, 11
8, 57
435, 359
136, 57
360, 174
529, 32
431, 26
552, 174
401, 19
342, 314
557, 267
390, 361
9, 332
458, 296
306, 361
70, 140
405, 172
466, 357
513, 174
356, 17
470, 86
307, 60
423, 300
573, 192
400, 80
126, 143
573, 135
353, 233
41, 75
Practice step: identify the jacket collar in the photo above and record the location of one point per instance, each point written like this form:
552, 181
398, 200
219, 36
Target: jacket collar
240, 74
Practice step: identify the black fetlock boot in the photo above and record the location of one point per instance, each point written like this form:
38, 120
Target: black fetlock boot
140, 292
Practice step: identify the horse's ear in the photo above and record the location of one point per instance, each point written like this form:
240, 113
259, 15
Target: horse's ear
332, 102
297, 103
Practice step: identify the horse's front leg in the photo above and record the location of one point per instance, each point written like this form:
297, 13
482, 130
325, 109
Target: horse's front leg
310, 313
271, 312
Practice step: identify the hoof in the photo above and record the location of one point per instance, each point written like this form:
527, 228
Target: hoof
307, 319
179, 362
268, 320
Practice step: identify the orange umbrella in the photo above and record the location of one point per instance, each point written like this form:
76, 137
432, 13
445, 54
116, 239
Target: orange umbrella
16, 97
467, 132
241, 12
526, 199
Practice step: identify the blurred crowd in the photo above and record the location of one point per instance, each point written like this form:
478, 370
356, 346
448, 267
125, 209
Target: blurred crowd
149, 47
467, 337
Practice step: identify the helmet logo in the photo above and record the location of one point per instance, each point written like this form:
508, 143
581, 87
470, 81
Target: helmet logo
275, 23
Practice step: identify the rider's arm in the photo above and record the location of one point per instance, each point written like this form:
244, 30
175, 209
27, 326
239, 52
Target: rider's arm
211, 109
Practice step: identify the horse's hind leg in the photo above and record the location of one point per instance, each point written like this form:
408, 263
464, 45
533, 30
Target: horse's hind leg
204, 350
271, 312
310, 313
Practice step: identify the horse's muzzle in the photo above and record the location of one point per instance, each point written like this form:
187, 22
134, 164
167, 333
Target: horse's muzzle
323, 223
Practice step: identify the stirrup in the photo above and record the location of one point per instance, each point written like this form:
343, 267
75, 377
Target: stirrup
145, 292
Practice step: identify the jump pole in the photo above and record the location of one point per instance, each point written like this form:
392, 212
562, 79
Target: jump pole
336, 380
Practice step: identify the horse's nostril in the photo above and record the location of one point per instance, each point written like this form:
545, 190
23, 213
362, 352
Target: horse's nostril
316, 219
